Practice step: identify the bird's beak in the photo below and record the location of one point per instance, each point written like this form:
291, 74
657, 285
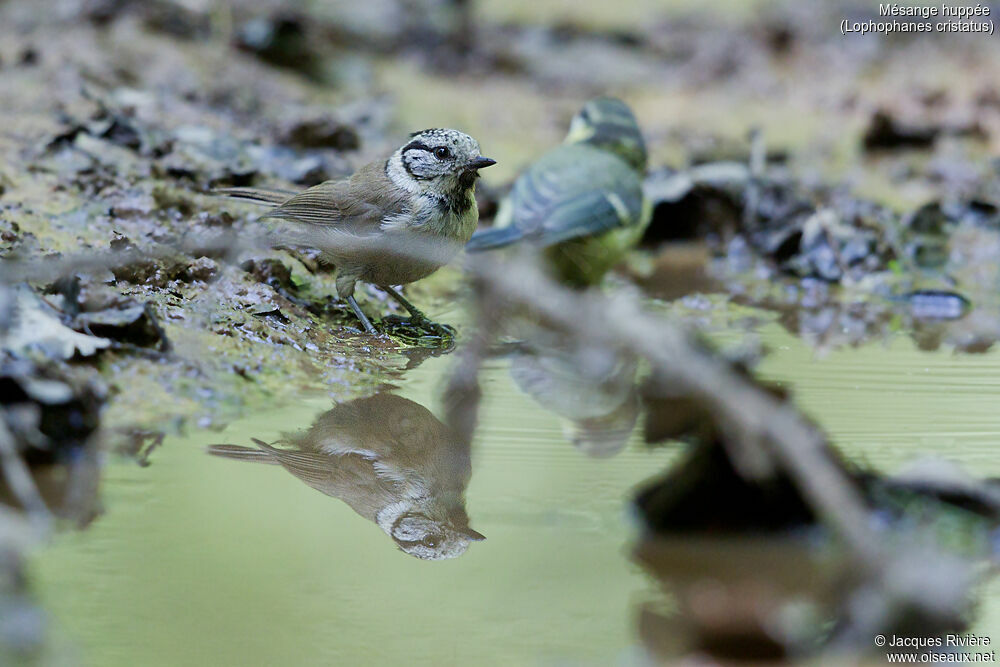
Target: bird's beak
468, 532
479, 163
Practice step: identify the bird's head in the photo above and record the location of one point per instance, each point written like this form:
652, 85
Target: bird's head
429, 539
608, 124
439, 161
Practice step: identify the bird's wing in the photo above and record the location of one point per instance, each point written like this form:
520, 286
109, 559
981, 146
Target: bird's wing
360, 202
242, 453
575, 191
318, 205
335, 475
497, 237
257, 195
590, 214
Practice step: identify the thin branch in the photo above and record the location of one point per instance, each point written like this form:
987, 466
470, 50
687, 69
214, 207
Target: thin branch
757, 417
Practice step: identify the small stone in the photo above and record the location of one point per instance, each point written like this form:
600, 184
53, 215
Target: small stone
202, 269
222, 219
270, 272
121, 242
29, 56
323, 132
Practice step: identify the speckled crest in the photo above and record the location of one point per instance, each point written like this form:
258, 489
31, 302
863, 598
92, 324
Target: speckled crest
437, 152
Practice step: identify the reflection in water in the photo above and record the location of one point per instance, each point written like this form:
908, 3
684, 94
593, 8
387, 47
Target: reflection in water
755, 571
737, 598
392, 461
680, 269
48, 448
562, 571
592, 388
751, 571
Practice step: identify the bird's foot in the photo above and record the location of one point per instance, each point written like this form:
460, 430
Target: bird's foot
437, 328
416, 319
417, 328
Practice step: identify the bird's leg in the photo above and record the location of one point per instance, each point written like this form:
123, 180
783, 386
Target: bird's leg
416, 315
361, 315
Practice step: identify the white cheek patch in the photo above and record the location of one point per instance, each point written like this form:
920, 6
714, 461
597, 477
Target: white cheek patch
387, 516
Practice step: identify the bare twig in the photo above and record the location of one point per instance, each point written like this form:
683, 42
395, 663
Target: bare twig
757, 418
462, 393
758, 162
49, 269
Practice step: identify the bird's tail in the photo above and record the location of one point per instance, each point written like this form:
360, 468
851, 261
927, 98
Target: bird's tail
243, 453
493, 238
273, 197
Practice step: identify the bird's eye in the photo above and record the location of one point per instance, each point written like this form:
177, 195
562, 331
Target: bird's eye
429, 542
442, 153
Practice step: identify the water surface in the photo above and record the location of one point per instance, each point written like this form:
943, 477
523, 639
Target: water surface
202, 560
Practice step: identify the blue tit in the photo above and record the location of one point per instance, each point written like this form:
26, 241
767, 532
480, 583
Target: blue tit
581, 203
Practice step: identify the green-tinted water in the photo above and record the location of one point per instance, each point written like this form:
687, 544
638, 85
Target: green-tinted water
202, 560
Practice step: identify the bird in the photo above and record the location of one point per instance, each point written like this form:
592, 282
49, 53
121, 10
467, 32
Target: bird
394, 221
581, 203
392, 461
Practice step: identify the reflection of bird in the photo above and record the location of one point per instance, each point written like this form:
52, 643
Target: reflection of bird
591, 388
394, 221
392, 461
581, 202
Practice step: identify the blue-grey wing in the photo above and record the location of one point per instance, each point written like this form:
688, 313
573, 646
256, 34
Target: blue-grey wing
590, 214
575, 191
488, 239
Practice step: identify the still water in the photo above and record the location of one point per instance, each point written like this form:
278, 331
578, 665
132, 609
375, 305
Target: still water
204, 560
